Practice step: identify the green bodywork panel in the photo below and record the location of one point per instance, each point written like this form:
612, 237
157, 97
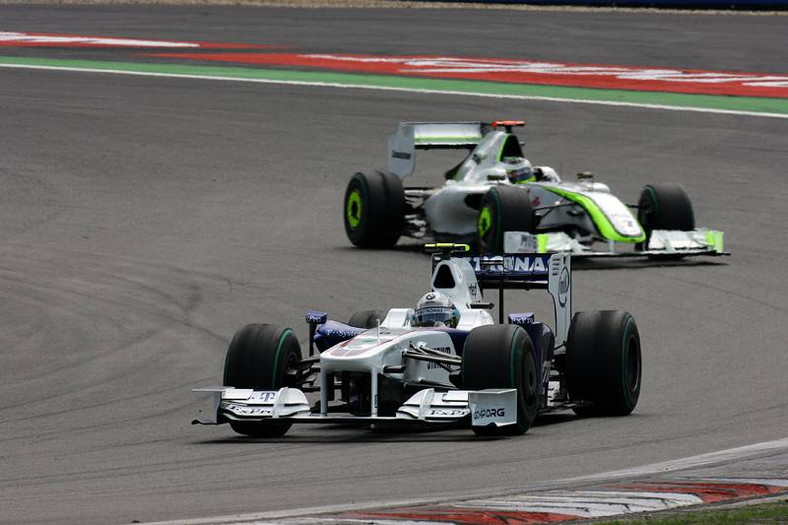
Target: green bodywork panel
601, 221
715, 240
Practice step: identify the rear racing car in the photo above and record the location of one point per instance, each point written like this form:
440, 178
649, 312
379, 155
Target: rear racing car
495, 199
445, 363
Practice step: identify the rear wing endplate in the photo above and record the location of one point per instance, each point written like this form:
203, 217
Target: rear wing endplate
515, 271
411, 136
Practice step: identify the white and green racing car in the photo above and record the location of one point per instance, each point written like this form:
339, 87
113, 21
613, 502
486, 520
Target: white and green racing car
495, 199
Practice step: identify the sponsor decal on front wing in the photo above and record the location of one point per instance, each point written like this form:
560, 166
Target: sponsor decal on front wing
448, 412
245, 410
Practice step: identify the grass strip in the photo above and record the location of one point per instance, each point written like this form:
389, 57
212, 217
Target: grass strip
772, 512
638, 98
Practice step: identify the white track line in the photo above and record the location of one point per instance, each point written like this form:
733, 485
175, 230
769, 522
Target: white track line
751, 481
723, 456
712, 458
403, 89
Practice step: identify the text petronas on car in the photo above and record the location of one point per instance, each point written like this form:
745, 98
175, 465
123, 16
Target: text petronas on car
443, 364
495, 199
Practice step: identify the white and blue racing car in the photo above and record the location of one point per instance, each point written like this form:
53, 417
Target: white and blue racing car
495, 199
445, 363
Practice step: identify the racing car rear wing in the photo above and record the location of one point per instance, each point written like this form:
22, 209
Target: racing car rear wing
527, 272
411, 136
519, 271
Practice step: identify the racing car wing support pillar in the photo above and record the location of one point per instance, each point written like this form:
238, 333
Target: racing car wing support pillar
559, 284
373, 397
500, 303
324, 392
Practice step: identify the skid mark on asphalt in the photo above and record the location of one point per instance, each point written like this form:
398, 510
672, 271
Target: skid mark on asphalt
18, 39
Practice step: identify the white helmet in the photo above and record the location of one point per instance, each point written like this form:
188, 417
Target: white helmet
434, 309
518, 169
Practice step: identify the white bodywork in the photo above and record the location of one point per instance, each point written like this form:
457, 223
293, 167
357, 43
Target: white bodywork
377, 348
380, 352
485, 407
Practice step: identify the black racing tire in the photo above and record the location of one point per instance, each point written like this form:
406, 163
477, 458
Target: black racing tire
374, 210
502, 356
258, 357
366, 318
503, 209
664, 207
603, 362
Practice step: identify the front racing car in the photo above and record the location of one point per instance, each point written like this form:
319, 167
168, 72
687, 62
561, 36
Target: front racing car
397, 370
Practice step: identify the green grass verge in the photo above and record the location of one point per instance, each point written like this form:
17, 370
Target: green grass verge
776, 106
764, 513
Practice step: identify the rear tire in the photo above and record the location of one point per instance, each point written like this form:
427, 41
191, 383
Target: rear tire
603, 362
502, 356
259, 357
366, 318
503, 209
374, 210
664, 207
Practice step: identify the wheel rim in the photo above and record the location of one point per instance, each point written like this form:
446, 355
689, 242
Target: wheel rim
485, 222
354, 209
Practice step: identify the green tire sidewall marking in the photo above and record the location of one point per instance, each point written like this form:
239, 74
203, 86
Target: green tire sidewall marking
485, 221
354, 199
513, 361
654, 200
624, 360
279, 345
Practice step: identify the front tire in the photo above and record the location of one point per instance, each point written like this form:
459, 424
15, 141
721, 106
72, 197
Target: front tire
502, 356
374, 210
603, 362
259, 357
664, 207
503, 209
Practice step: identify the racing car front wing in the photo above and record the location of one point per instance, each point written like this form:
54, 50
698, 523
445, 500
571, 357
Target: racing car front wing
427, 407
661, 243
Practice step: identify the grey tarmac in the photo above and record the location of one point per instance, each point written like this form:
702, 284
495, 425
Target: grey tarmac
143, 220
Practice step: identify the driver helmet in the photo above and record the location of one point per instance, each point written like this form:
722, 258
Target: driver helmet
518, 169
435, 309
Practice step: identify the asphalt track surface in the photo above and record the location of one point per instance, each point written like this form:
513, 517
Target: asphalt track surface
143, 220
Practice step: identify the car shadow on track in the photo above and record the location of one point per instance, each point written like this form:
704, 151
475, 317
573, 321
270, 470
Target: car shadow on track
631, 264
345, 433
397, 248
